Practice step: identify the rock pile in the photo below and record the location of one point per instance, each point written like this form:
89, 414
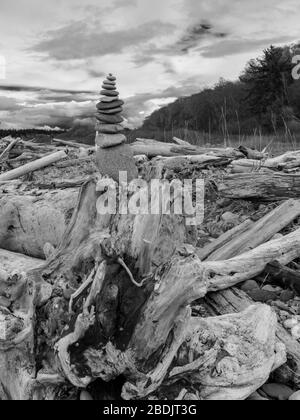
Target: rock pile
113, 155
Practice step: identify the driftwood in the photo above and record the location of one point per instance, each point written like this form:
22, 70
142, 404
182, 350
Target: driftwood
259, 162
114, 328
6, 151
72, 144
12, 262
252, 154
235, 300
153, 148
62, 184
181, 142
243, 166
283, 276
27, 221
264, 187
223, 240
240, 240
29, 147
33, 166
157, 168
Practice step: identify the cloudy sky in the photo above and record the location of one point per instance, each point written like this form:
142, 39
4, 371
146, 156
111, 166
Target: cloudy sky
57, 52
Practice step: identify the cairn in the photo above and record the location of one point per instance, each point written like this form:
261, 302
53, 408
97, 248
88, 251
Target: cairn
113, 154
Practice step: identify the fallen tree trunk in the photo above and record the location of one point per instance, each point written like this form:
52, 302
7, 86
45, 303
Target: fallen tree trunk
242, 166
33, 166
12, 262
72, 144
223, 240
6, 151
158, 168
257, 161
261, 186
153, 148
28, 222
237, 241
252, 154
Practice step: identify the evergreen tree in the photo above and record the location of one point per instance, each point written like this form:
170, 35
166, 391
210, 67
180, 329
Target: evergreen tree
268, 79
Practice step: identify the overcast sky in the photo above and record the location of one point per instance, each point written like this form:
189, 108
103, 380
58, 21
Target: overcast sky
57, 52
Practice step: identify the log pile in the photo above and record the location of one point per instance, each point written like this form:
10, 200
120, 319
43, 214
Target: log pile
167, 311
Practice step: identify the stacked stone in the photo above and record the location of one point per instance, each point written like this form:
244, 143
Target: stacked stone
113, 155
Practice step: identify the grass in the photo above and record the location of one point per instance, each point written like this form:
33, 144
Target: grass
275, 144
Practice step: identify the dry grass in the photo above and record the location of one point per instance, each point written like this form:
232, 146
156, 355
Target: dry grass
275, 144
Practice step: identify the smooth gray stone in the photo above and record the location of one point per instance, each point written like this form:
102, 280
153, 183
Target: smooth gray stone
113, 160
109, 119
109, 93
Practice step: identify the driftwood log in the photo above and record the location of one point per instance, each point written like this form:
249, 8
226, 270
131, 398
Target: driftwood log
113, 300
249, 235
29, 221
261, 186
283, 276
33, 166
235, 300
153, 148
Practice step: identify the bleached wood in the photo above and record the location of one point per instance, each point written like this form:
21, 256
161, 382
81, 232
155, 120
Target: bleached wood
261, 231
261, 186
33, 166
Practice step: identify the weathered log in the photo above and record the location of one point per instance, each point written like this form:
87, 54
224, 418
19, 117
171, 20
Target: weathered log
33, 166
264, 187
30, 147
224, 357
221, 357
6, 151
153, 148
252, 154
288, 160
12, 262
181, 142
255, 235
243, 166
72, 144
283, 276
28, 221
185, 279
62, 184
235, 300
227, 237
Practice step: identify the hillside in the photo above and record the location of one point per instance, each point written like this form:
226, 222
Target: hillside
231, 107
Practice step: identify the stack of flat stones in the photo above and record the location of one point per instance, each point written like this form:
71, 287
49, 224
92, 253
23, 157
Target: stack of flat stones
113, 154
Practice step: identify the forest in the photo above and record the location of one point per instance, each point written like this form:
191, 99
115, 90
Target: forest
266, 98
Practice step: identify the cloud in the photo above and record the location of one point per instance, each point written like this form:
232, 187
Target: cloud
78, 40
190, 39
8, 104
238, 46
51, 114
195, 35
96, 74
24, 88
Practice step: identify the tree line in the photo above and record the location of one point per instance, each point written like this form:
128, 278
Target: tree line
266, 98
